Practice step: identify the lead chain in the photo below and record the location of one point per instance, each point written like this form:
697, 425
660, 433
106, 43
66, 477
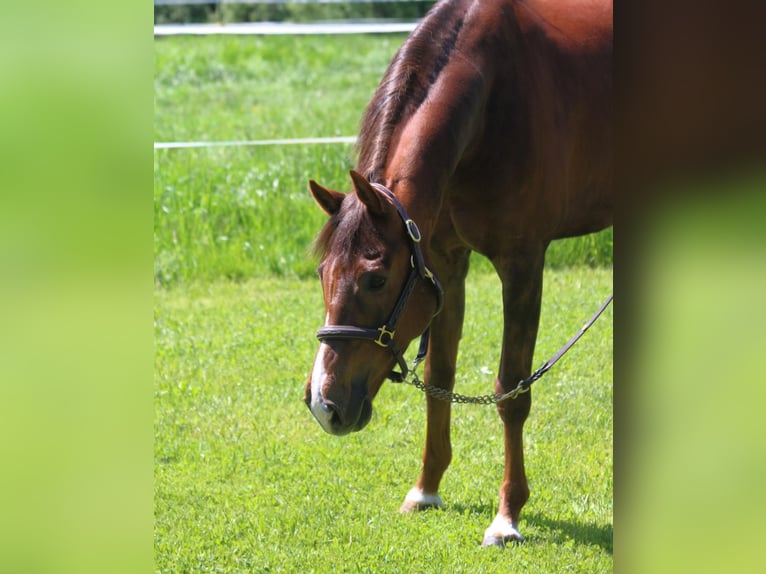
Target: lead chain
449, 396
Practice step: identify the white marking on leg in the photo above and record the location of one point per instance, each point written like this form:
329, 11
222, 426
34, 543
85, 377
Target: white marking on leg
501, 531
417, 499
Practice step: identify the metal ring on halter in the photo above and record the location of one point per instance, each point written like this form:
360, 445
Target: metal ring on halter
413, 231
384, 336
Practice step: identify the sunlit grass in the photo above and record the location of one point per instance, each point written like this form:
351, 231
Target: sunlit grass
245, 212
246, 481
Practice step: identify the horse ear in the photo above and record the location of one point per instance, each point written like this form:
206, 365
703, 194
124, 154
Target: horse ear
327, 199
368, 194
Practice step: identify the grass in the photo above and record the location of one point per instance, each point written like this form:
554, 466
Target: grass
237, 213
254, 87
246, 481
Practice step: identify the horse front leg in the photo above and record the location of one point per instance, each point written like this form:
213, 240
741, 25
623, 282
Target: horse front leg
522, 278
440, 372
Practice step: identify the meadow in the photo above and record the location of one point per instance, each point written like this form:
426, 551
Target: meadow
245, 480
245, 212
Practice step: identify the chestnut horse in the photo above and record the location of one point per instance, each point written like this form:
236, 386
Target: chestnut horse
491, 131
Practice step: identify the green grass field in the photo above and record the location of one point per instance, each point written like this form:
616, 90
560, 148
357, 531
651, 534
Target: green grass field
245, 480
237, 213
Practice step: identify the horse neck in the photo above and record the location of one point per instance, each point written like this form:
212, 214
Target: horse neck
421, 199
425, 112
428, 147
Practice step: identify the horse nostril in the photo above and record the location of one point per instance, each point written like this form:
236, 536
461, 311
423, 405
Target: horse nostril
340, 421
332, 408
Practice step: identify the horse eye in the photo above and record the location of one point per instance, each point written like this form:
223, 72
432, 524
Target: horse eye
373, 281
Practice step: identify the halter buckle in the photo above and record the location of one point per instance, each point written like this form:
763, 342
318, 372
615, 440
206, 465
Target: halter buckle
383, 333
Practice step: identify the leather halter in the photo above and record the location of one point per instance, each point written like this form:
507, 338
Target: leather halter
383, 336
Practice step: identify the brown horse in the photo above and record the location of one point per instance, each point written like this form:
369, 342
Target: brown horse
492, 129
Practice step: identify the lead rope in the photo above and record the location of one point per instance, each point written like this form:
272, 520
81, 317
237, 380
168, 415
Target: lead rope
521, 388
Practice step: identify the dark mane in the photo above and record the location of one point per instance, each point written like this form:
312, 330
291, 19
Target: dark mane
415, 67
345, 233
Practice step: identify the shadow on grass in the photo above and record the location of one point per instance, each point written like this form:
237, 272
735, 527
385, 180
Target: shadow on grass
588, 533
559, 531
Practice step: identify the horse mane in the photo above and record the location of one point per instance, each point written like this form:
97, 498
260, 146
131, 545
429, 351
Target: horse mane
405, 85
414, 68
344, 233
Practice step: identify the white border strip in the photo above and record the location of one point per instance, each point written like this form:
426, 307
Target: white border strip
298, 141
288, 28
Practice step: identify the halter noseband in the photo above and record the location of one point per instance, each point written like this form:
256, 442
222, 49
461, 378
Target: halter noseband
383, 336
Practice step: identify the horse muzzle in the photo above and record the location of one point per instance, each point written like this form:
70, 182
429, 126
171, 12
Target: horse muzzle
341, 418
339, 406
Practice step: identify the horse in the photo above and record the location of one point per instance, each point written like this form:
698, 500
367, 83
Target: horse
491, 131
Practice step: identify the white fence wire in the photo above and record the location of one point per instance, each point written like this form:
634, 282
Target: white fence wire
276, 28
284, 28
249, 143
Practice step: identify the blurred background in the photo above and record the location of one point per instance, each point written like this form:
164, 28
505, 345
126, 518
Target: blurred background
78, 272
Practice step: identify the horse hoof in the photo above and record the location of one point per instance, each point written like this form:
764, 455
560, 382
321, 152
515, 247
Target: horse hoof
501, 532
409, 507
493, 541
417, 500
501, 541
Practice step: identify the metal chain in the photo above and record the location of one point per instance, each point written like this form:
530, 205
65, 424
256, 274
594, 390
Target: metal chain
449, 396
522, 386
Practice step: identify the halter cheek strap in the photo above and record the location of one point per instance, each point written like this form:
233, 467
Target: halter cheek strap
383, 336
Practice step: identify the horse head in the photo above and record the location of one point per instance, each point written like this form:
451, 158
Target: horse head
378, 296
